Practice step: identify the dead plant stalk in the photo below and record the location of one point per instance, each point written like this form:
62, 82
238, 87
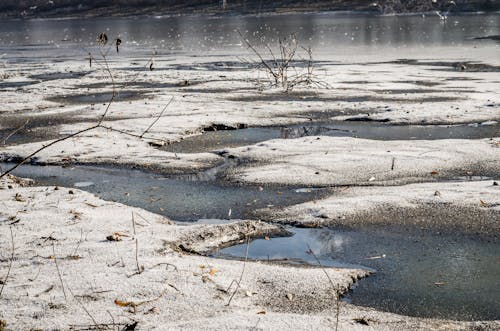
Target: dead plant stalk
334, 288
13, 250
238, 283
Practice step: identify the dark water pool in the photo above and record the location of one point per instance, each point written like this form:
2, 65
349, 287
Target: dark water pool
216, 140
418, 273
181, 199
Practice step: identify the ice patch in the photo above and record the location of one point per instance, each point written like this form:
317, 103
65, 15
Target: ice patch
83, 184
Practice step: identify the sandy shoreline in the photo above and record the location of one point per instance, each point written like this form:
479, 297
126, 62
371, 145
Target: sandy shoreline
174, 291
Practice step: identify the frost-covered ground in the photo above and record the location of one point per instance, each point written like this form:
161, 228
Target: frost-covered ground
76, 261
52, 224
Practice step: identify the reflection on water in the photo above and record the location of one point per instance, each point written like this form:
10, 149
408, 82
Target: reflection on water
419, 273
324, 32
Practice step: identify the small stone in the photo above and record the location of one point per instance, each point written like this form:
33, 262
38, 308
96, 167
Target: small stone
114, 237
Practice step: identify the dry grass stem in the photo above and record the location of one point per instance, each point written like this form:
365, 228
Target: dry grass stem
13, 250
15, 131
58, 271
334, 288
238, 283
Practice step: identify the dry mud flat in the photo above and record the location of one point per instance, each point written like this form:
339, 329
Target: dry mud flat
66, 273
76, 262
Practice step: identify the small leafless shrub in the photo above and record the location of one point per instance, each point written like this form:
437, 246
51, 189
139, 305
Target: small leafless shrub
292, 65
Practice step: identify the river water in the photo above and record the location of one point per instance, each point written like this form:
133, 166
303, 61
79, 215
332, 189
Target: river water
332, 35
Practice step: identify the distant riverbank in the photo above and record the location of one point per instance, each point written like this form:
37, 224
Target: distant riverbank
73, 8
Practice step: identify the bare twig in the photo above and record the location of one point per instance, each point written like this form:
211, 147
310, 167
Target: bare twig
15, 131
262, 61
140, 269
25, 159
58, 271
79, 243
164, 263
238, 283
334, 288
97, 325
13, 250
157, 118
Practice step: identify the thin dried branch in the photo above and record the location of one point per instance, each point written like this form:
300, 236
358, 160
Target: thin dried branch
97, 325
79, 243
15, 131
58, 271
262, 61
157, 118
334, 288
13, 250
140, 269
25, 159
238, 283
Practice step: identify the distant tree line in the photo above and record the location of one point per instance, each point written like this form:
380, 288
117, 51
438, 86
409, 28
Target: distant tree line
32, 7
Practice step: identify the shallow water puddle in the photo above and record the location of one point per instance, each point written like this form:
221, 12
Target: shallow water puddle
419, 273
178, 199
214, 140
101, 97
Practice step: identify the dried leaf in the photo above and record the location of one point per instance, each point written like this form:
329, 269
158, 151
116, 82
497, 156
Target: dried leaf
213, 271
248, 293
439, 283
289, 296
484, 204
123, 303
262, 312
434, 173
19, 198
91, 205
267, 238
